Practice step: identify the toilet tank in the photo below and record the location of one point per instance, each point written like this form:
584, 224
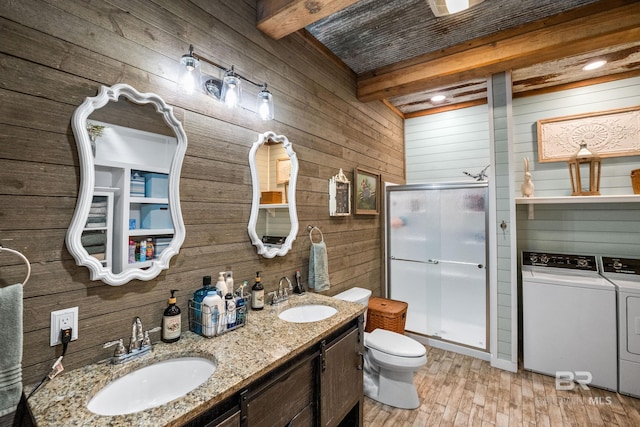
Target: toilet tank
355, 294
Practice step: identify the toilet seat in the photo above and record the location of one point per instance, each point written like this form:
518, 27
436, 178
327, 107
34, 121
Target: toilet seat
394, 344
390, 350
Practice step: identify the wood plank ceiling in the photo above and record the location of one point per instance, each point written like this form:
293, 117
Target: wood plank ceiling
403, 54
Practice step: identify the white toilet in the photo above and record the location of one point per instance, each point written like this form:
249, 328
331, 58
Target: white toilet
390, 361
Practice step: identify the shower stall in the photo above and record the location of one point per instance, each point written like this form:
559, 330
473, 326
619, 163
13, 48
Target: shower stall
437, 260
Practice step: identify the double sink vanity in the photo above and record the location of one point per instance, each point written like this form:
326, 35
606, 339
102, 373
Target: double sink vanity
271, 372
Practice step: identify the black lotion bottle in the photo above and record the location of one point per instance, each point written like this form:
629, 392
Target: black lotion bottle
171, 321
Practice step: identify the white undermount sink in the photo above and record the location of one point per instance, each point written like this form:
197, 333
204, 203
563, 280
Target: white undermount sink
151, 386
307, 313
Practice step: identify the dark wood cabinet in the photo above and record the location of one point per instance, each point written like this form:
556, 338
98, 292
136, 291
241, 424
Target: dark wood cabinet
341, 379
283, 398
320, 387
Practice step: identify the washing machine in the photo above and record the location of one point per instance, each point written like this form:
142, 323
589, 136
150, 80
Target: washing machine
625, 274
569, 319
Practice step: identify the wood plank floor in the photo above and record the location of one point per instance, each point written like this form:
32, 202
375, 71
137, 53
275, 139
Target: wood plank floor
458, 390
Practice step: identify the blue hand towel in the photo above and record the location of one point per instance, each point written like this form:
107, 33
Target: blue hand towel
318, 267
11, 355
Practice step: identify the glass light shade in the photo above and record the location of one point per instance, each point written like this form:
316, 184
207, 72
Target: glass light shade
265, 104
231, 90
189, 74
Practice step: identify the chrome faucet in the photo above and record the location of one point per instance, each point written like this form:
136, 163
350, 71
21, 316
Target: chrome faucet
282, 294
139, 345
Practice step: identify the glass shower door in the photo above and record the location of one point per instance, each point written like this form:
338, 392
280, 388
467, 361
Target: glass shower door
462, 265
415, 217
437, 260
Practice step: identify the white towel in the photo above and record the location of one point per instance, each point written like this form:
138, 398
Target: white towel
318, 267
11, 355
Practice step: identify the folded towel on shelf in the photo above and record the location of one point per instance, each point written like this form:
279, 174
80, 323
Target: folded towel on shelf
97, 204
96, 217
318, 267
93, 238
98, 210
11, 355
95, 249
96, 224
101, 256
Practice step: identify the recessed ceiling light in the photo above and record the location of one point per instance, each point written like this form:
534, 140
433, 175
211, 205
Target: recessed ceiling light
438, 98
594, 64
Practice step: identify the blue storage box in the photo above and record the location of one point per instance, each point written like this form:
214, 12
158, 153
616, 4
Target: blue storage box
162, 243
156, 185
137, 185
155, 216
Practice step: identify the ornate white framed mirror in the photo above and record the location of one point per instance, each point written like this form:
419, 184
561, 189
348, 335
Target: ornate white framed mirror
128, 222
273, 224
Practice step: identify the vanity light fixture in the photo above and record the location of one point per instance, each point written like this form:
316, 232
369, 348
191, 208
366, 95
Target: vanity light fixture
229, 90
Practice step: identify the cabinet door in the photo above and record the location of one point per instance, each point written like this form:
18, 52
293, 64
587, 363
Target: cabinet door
341, 379
284, 399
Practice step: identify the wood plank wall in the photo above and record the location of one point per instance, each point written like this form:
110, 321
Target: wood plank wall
55, 53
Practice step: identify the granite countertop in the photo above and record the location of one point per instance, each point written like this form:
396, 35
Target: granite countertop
242, 356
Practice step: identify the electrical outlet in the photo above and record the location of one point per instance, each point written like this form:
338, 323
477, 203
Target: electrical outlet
63, 319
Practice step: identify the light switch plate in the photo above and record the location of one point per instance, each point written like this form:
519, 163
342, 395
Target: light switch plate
62, 319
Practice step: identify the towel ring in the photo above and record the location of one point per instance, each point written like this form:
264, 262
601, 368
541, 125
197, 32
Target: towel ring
311, 228
24, 258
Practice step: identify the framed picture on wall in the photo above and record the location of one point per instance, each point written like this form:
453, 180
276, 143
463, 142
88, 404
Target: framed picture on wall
367, 192
612, 133
339, 195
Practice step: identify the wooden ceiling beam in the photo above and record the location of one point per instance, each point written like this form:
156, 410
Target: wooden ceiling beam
279, 18
605, 28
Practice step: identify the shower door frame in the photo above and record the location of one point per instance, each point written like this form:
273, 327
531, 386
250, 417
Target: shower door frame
446, 186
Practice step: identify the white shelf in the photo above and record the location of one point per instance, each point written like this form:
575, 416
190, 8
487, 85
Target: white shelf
274, 206
630, 198
149, 200
150, 231
128, 165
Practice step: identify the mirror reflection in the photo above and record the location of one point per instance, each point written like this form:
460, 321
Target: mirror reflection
273, 224
127, 222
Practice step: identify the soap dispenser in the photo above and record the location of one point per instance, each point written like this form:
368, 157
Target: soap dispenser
171, 321
257, 294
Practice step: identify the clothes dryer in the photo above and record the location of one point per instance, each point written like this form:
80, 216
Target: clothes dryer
625, 274
569, 319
